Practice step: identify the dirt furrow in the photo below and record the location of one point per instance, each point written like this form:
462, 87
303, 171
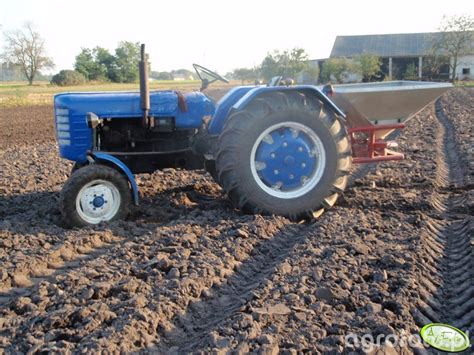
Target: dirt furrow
199, 322
448, 239
202, 317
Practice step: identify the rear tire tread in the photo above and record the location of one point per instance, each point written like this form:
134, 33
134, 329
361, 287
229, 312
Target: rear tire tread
228, 145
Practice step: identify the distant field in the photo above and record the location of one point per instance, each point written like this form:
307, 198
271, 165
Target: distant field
13, 94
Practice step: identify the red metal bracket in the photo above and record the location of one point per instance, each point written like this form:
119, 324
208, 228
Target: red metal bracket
367, 149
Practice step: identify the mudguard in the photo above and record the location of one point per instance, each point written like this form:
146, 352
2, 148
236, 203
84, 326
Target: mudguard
238, 98
121, 167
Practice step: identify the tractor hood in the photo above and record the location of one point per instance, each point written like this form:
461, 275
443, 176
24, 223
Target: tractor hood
127, 104
75, 137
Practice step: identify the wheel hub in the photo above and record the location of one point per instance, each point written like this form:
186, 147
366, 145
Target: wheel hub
97, 201
288, 159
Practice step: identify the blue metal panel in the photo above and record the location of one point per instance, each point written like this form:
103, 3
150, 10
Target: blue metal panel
120, 165
118, 104
223, 107
198, 106
127, 105
73, 135
239, 97
250, 95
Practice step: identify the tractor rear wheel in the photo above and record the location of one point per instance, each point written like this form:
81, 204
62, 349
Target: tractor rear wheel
284, 154
210, 167
94, 193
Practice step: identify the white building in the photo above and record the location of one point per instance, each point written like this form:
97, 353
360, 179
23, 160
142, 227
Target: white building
397, 51
465, 67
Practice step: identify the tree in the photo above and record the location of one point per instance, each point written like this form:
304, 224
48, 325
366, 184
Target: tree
457, 36
367, 65
289, 63
244, 74
270, 67
89, 64
68, 78
310, 74
185, 73
104, 60
26, 48
163, 75
335, 69
124, 68
435, 67
296, 62
10, 72
99, 64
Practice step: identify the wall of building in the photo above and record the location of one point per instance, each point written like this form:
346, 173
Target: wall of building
465, 63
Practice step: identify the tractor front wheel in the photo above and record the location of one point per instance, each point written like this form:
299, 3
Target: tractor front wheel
94, 193
284, 154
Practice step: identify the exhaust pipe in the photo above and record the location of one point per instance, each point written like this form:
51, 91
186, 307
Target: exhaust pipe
144, 89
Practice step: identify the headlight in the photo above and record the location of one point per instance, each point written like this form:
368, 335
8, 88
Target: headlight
93, 120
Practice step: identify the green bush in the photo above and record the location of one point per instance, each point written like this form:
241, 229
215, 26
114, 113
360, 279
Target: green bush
335, 70
68, 78
410, 72
367, 66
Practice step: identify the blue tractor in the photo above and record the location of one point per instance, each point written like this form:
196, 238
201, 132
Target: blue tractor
274, 149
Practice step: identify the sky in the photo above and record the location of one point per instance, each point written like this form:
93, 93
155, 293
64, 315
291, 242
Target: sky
222, 35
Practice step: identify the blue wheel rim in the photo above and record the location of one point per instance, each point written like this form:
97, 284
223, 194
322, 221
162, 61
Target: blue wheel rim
288, 160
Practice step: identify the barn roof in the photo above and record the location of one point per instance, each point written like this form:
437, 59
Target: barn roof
387, 45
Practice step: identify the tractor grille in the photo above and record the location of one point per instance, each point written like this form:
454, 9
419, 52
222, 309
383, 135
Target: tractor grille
63, 127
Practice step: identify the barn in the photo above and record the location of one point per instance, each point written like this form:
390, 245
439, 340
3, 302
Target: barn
398, 51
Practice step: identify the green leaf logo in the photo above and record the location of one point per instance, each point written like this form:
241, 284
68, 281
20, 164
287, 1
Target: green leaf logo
445, 337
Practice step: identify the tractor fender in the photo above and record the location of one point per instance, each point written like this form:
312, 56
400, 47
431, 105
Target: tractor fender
307, 89
120, 166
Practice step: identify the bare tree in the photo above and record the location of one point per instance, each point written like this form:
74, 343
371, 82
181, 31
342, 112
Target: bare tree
26, 48
456, 39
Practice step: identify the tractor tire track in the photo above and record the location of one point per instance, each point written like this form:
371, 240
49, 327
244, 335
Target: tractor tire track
201, 318
447, 285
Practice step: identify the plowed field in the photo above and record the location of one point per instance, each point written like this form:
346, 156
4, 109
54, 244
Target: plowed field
186, 272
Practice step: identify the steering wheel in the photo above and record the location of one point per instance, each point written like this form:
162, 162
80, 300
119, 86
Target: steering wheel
205, 82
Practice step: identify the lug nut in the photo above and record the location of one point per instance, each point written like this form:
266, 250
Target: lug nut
292, 176
285, 144
303, 165
275, 172
273, 155
300, 149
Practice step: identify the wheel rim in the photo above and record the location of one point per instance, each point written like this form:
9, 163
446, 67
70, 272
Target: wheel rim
98, 201
287, 160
